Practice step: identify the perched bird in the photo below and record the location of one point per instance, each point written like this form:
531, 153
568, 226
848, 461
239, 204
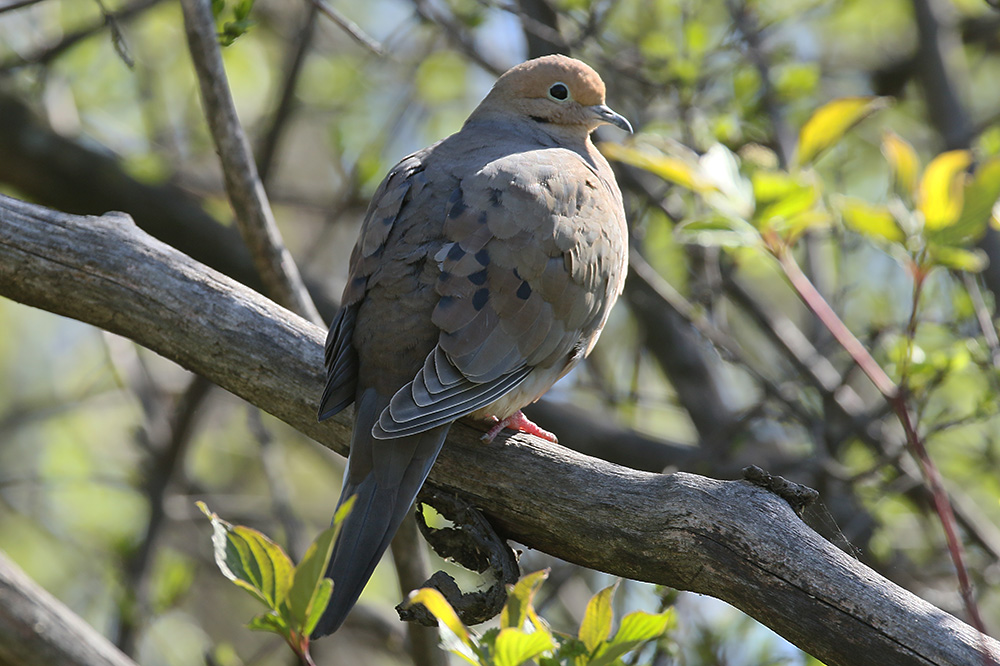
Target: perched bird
484, 271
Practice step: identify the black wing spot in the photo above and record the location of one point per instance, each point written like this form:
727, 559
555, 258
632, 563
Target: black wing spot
478, 278
480, 298
524, 291
483, 257
456, 252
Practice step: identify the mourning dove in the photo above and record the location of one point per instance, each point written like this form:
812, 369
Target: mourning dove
485, 270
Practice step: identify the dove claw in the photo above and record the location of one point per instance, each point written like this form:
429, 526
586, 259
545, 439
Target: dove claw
519, 423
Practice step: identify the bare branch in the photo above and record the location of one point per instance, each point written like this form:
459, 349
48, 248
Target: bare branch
49, 53
36, 629
243, 185
350, 27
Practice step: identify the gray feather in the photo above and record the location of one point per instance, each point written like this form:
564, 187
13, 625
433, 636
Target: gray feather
384, 494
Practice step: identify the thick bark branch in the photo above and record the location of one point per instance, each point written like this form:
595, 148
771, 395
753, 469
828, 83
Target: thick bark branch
37, 630
730, 540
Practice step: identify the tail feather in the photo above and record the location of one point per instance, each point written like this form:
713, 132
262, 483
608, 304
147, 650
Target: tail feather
385, 477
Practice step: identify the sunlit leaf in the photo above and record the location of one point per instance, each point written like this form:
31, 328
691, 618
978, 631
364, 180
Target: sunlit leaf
636, 628
875, 222
307, 577
770, 185
941, 188
831, 122
904, 163
793, 199
438, 606
596, 625
640, 626
519, 600
307, 597
979, 200
268, 622
251, 560
513, 647
320, 600
731, 193
958, 258
718, 231
672, 169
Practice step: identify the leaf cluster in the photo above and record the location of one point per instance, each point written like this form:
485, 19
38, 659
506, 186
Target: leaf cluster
295, 596
524, 638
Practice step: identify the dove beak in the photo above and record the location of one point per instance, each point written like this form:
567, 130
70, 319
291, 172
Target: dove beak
604, 114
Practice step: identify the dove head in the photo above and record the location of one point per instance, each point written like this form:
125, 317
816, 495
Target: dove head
560, 92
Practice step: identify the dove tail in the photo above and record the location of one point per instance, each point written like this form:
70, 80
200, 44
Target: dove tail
384, 482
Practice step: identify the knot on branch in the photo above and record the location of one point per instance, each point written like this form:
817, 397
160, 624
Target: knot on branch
471, 542
799, 497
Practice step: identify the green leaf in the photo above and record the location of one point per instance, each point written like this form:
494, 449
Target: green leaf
596, 625
513, 647
438, 606
641, 626
831, 122
875, 222
958, 258
942, 189
519, 599
904, 163
269, 621
636, 628
306, 592
979, 199
251, 560
673, 169
796, 200
320, 600
718, 231
242, 9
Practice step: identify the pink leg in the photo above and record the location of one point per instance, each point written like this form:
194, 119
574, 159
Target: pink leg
520, 423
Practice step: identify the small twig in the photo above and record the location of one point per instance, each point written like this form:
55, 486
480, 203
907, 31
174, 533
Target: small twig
167, 458
746, 24
17, 4
412, 568
110, 20
293, 69
984, 317
815, 302
456, 35
246, 192
350, 27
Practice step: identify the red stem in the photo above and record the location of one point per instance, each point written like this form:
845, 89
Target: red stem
897, 400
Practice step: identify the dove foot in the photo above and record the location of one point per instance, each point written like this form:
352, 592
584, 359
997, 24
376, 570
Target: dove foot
520, 423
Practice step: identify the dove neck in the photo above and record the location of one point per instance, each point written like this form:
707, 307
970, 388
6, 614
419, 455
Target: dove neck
504, 125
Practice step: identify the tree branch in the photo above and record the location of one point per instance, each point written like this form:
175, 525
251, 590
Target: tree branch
243, 185
36, 629
731, 540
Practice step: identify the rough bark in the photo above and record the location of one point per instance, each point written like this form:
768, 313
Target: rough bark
37, 630
728, 539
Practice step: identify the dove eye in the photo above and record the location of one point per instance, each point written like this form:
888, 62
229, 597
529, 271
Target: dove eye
559, 92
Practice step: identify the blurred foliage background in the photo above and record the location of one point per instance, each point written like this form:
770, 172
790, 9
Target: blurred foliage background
712, 363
